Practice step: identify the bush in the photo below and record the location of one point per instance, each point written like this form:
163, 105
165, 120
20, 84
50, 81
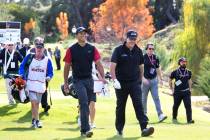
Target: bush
203, 79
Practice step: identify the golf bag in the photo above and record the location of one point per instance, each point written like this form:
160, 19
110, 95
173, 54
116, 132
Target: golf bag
71, 89
18, 89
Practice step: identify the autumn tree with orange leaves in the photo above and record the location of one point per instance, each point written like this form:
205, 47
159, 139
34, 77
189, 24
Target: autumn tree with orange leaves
29, 25
115, 17
62, 24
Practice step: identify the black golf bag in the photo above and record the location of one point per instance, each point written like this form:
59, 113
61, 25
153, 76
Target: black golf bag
71, 89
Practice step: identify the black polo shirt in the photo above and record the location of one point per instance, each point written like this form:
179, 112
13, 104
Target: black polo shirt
151, 63
128, 61
13, 66
23, 51
81, 59
183, 75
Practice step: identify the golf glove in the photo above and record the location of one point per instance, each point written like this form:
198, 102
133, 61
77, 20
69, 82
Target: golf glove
116, 84
48, 78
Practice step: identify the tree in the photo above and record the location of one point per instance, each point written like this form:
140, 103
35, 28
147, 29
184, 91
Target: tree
166, 12
29, 25
79, 11
193, 43
124, 15
62, 24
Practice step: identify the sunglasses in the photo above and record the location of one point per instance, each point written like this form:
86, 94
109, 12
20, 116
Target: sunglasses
151, 49
39, 45
10, 45
132, 39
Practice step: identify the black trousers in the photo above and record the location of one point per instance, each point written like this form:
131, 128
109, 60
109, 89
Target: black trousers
44, 101
134, 90
58, 62
186, 97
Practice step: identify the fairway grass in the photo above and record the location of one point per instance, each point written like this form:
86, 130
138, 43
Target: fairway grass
61, 124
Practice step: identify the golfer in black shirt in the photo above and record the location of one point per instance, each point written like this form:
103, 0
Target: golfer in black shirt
127, 71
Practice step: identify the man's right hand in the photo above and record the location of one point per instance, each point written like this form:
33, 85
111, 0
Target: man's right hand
116, 84
66, 88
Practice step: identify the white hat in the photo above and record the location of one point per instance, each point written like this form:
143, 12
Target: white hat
7, 42
26, 41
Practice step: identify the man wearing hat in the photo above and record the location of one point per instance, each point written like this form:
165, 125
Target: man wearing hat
25, 48
80, 57
127, 71
10, 59
36, 74
182, 89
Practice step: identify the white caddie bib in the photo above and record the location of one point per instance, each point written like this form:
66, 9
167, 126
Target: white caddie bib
36, 81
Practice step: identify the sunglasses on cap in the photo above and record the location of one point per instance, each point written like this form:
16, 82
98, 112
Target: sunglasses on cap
39, 45
151, 49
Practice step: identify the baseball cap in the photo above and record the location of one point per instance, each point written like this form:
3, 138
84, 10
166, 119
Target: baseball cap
39, 42
8, 42
131, 34
81, 29
182, 59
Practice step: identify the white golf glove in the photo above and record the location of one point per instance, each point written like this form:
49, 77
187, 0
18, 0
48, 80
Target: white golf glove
116, 84
48, 78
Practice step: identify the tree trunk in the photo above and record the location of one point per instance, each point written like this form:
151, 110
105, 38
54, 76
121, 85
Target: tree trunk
77, 11
168, 11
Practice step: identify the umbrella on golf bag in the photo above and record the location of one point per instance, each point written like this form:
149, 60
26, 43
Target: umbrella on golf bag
71, 89
18, 89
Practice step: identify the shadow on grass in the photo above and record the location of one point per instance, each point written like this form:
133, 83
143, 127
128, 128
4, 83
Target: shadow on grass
4, 110
18, 129
25, 118
76, 138
115, 137
168, 122
70, 123
69, 129
43, 114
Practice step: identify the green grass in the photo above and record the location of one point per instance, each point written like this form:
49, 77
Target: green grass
60, 123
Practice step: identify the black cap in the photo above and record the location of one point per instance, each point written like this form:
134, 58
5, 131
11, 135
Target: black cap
182, 59
132, 34
81, 29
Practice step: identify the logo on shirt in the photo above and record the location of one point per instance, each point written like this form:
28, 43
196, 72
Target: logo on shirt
37, 69
124, 55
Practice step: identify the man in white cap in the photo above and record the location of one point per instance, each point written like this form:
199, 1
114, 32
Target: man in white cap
10, 58
25, 48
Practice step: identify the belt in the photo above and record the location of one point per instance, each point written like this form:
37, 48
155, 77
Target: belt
184, 90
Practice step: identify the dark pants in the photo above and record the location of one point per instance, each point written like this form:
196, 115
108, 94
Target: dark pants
84, 89
134, 90
186, 97
1, 70
58, 62
44, 97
